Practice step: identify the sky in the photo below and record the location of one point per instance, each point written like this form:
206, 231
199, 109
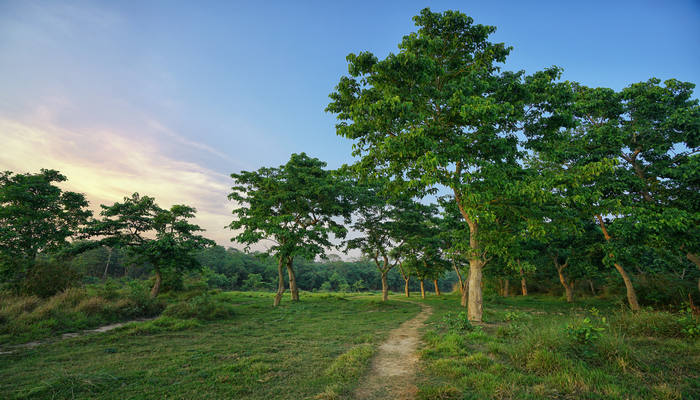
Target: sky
168, 98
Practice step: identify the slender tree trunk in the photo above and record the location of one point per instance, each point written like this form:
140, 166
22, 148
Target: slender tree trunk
465, 294
631, 294
590, 283
568, 288
406, 278
523, 283
385, 288
422, 290
437, 288
280, 282
292, 280
506, 288
459, 276
475, 305
156, 285
109, 258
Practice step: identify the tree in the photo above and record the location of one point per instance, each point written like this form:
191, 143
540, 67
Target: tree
439, 113
294, 206
164, 239
36, 216
646, 138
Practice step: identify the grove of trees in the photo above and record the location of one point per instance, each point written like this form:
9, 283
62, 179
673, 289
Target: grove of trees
468, 177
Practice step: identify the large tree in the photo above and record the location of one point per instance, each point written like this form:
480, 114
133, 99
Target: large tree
163, 239
294, 206
643, 142
36, 216
440, 113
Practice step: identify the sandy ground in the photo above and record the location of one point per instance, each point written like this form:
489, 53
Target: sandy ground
393, 371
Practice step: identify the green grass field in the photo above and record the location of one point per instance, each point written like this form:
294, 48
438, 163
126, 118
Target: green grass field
536, 348
320, 345
531, 348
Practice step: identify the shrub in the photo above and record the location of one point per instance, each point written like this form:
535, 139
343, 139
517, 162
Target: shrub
48, 278
586, 331
457, 322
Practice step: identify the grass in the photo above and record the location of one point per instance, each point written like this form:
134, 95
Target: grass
317, 348
27, 318
211, 344
541, 347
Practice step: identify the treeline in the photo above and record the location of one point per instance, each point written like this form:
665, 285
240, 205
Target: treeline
231, 269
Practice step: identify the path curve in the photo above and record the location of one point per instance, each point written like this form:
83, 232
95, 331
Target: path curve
101, 329
393, 371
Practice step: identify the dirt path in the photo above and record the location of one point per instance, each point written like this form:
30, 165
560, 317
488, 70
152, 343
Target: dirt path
393, 371
105, 328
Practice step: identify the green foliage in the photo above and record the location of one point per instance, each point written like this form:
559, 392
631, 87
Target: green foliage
585, 331
253, 282
164, 239
49, 277
36, 216
294, 205
457, 322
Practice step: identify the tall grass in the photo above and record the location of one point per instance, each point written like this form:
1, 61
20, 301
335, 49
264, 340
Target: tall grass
25, 318
547, 352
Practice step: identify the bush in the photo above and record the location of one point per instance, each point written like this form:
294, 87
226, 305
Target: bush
457, 322
585, 331
48, 278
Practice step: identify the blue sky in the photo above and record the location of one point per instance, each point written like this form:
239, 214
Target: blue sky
168, 98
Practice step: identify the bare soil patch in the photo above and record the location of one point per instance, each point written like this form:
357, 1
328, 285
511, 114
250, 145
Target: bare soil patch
393, 371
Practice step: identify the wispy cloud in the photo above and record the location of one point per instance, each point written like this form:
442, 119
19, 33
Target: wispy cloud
107, 166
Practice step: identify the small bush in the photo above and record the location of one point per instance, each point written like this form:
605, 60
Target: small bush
584, 332
48, 278
457, 322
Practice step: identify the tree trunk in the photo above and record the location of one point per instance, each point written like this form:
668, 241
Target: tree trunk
422, 290
523, 283
590, 283
437, 288
475, 309
405, 287
465, 294
459, 276
631, 294
506, 288
385, 288
568, 288
156, 285
280, 283
475, 304
292, 281
109, 258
